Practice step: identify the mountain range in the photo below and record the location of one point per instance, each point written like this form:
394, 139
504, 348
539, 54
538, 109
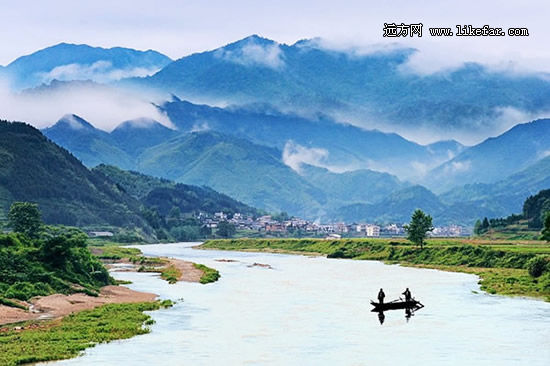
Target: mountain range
495, 158
258, 174
67, 62
298, 128
374, 89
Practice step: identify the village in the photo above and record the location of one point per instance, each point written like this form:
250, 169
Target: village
295, 226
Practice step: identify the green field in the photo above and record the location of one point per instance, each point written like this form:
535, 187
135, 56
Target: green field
501, 265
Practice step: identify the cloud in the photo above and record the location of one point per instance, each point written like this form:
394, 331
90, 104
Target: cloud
100, 71
72, 122
457, 167
200, 127
294, 155
254, 53
420, 169
103, 106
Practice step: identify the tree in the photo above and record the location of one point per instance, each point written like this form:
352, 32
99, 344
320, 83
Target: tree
477, 227
174, 217
205, 231
485, 224
25, 217
419, 227
546, 230
226, 229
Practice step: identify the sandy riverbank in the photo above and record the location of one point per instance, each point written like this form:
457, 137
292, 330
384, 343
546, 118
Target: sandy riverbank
189, 273
59, 305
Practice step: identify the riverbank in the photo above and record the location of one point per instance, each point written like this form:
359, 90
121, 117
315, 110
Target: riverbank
500, 265
59, 305
36, 341
60, 326
117, 258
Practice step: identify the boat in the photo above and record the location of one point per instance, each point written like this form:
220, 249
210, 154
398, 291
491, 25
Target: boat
397, 304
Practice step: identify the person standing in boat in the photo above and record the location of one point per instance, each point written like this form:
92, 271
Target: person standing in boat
381, 296
407, 294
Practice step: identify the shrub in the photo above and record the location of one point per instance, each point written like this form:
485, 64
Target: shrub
26, 290
537, 266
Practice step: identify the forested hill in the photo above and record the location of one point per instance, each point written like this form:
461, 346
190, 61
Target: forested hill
165, 195
32, 168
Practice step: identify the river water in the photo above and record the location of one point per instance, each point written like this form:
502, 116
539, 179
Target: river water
315, 311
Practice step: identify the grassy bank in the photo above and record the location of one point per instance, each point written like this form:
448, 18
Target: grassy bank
501, 265
67, 337
209, 274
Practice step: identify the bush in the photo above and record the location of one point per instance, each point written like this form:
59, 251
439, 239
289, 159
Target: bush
537, 266
26, 290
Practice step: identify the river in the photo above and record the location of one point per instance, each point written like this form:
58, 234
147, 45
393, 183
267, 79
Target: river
315, 311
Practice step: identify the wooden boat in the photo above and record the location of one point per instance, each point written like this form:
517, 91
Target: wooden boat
397, 304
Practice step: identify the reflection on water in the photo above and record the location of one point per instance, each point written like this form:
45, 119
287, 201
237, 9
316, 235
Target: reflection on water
409, 312
316, 311
410, 304
381, 317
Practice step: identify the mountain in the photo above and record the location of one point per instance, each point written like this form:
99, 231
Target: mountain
82, 62
251, 173
206, 158
494, 158
397, 207
34, 169
164, 194
136, 135
375, 89
507, 195
361, 185
345, 145
447, 148
91, 145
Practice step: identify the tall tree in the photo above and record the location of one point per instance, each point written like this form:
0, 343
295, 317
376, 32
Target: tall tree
226, 229
546, 230
419, 227
477, 228
25, 217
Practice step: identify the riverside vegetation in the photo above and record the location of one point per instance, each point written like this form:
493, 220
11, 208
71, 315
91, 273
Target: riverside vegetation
505, 267
39, 260
67, 337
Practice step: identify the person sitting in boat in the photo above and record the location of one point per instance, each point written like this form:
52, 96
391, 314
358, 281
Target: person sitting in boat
407, 294
381, 296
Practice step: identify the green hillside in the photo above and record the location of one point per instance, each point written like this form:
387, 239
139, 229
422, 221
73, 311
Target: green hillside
507, 195
251, 173
360, 185
91, 145
164, 194
34, 169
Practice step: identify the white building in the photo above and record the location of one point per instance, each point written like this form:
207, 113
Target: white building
372, 230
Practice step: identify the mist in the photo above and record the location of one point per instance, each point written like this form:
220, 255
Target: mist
103, 106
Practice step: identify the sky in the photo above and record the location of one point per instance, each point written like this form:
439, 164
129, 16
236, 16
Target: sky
178, 28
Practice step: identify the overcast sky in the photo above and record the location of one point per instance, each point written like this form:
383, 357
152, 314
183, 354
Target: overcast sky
178, 28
